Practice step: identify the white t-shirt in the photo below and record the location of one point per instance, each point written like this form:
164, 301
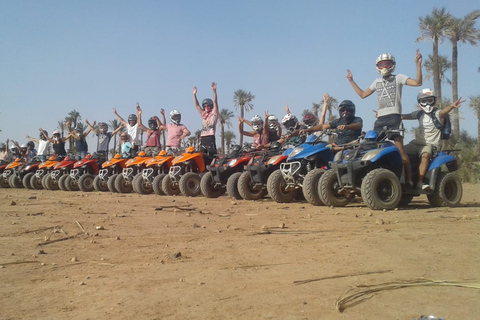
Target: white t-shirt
133, 133
428, 133
389, 91
43, 147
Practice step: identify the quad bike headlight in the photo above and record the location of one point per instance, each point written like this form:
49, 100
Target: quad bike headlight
232, 162
371, 154
273, 159
295, 151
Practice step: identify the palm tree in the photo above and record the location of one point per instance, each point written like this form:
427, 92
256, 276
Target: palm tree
443, 63
191, 141
198, 133
73, 118
475, 105
243, 101
461, 30
224, 117
434, 28
61, 127
229, 136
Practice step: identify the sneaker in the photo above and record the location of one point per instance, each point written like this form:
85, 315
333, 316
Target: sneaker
426, 187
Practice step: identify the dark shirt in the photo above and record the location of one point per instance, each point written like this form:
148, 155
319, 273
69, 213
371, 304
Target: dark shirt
81, 145
59, 148
346, 136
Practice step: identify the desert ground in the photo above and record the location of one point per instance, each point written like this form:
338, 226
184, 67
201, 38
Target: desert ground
74, 255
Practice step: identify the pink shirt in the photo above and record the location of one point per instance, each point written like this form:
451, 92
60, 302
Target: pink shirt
209, 124
260, 140
174, 133
153, 139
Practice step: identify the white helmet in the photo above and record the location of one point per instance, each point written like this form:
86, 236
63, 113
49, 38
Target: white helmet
290, 122
175, 116
272, 122
426, 100
385, 64
257, 123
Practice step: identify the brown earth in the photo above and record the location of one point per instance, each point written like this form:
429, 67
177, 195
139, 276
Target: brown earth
122, 258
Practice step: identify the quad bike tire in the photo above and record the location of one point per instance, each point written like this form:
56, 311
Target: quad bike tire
36, 183
85, 183
448, 191
100, 185
207, 186
111, 183
50, 183
232, 186
168, 187
4, 182
189, 184
141, 186
71, 184
122, 185
15, 181
157, 184
62, 184
310, 187
26, 180
381, 190
276, 188
246, 190
327, 190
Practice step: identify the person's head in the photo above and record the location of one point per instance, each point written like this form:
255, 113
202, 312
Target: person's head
310, 120
43, 136
103, 127
346, 110
132, 119
272, 123
56, 135
290, 122
23, 148
426, 100
3, 147
385, 64
152, 124
14, 149
124, 136
257, 123
175, 116
207, 105
79, 130
30, 145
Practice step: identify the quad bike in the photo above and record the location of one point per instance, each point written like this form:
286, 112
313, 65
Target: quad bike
11, 173
43, 170
3, 183
105, 180
124, 181
184, 174
83, 173
374, 169
25, 174
151, 178
252, 183
57, 179
302, 170
223, 173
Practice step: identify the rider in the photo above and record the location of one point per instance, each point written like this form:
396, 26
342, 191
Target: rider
58, 143
348, 125
103, 137
176, 132
43, 145
389, 90
429, 136
260, 139
209, 113
155, 127
126, 145
81, 146
132, 127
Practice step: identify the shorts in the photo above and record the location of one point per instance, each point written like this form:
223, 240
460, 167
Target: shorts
414, 147
391, 121
81, 155
152, 151
173, 151
207, 145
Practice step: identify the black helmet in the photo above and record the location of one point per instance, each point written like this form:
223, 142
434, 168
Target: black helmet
207, 102
132, 117
347, 105
30, 145
152, 123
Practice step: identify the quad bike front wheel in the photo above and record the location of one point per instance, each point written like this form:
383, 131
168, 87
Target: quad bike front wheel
49, 183
4, 182
111, 182
169, 187
328, 190
207, 186
381, 189
15, 181
122, 185
26, 180
277, 188
448, 190
157, 184
71, 184
232, 186
36, 182
310, 187
189, 184
247, 190
99, 184
141, 186
85, 183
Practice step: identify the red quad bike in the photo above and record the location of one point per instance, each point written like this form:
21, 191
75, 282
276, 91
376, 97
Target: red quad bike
105, 180
11, 172
151, 178
123, 182
223, 173
57, 178
25, 174
184, 175
44, 169
84, 172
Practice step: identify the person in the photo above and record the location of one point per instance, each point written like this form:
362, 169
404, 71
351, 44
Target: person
176, 132
4, 152
132, 128
152, 146
209, 113
349, 126
43, 145
292, 125
58, 143
259, 133
81, 146
103, 137
26, 151
429, 136
389, 91
126, 145
274, 128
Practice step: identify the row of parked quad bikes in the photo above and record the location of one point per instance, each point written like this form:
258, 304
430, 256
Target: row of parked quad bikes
372, 169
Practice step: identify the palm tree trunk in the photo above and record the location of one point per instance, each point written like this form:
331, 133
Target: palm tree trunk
437, 85
222, 134
242, 113
456, 120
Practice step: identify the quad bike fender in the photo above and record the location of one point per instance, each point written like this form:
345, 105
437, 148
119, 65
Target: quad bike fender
390, 155
449, 160
63, 164
240, 162
197, 157
15, 164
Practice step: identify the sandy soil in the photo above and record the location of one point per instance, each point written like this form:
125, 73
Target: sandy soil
130, 256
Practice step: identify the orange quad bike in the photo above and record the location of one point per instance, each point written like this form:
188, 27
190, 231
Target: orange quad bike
134, 166
44, 168
185, 173
151, 178
105, 180
11, 173
84, 172
56, 179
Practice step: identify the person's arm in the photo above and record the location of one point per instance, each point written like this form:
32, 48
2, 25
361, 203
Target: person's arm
287, 110
67, 137
360, 92
265, 126
159, 123
195, 100
240, 129
418, 81
32, 139
139, 119
71, 133
118, 129
185, 134
247, 122
119, 118
443, 112
351, 126
326, 97
92, 128
316, 128
215, 100
407, 116
46, 136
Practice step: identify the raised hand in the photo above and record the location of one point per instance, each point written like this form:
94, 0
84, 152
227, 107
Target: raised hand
214, 85
418, 56
349, 75
194, 90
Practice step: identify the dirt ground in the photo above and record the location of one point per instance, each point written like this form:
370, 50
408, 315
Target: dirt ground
74, 255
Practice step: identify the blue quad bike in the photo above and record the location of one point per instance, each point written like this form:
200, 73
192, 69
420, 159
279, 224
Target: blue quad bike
374, 170
303, 168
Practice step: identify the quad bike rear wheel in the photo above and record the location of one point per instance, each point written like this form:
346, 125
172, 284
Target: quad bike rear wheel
71, 184
448, 190
207, 186
157, 184
85, 183
232, 186
247, 190
122, 185
49, 183
111, 182
277, 188
61, 183
141, 186
189, 184
4, 182
36, 182
15, 181
381, 189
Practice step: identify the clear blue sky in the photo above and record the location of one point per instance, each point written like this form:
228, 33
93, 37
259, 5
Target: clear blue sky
92, 56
